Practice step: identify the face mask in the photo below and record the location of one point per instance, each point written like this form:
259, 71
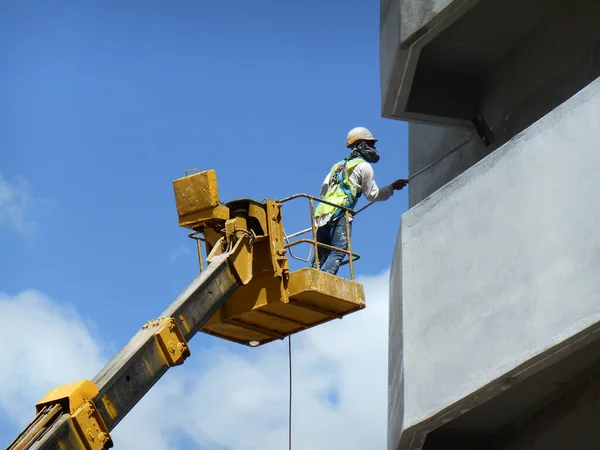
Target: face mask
368, 153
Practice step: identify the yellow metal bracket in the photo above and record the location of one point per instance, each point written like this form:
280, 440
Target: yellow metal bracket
276, 239
238, 242
197, 199
272, 301
234, 228
90, 427
70, 396
240, 259
77, 400
170, 340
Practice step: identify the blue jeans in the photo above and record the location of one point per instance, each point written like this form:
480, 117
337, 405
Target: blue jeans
332, 233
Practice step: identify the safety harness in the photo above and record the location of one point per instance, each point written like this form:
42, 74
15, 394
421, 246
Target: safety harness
340, 192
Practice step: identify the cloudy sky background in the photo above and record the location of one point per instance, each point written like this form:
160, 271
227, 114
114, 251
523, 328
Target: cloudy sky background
105, 104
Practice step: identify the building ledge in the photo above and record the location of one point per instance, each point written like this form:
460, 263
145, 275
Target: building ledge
495, 287
448, 61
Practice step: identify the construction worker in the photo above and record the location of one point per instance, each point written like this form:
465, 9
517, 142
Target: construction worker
344, 184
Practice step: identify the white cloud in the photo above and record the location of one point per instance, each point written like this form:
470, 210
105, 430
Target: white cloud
15, 202
225, 396
44, 345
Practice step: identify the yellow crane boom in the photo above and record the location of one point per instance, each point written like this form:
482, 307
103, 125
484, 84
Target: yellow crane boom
246, 294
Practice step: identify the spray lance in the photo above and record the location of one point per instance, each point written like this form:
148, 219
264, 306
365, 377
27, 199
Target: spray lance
419, 172
375, 158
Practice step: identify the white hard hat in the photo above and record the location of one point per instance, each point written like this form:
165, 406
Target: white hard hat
357, 134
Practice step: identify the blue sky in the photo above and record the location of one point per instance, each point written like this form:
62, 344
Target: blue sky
105, 103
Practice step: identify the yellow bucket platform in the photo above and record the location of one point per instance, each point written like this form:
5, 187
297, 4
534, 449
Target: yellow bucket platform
275, 302
257, 314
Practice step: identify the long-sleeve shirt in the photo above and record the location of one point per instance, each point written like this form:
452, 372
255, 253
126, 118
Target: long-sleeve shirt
362, 178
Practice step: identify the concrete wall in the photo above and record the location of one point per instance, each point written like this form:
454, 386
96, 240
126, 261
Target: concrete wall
405, 27
557, 56
532, 407
570, 422
428, 144
445, 61
497, 274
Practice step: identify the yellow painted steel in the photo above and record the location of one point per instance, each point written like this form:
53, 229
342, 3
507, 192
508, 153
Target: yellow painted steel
70, 396
197, 199
90, 427
109, 407
275, 229
241, 260
194, 219
76, 399
325, 291
258, 311
170, 340
272, 303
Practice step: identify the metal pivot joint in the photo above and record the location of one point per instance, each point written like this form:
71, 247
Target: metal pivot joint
170, 340
70, 410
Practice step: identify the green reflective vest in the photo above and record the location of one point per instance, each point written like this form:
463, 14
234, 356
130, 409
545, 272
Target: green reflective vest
340, 191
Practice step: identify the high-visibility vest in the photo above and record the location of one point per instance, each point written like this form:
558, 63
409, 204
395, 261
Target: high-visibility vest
340, 191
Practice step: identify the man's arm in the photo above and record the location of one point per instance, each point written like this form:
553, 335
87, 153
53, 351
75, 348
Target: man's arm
368, 185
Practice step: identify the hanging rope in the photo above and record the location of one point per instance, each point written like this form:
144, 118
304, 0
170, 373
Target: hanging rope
290, 398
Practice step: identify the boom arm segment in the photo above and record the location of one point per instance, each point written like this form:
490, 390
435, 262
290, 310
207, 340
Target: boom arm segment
73, 418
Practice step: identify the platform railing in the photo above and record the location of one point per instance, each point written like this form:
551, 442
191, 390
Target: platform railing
314, 243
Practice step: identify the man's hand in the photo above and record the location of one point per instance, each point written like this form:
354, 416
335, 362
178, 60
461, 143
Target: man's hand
399, 184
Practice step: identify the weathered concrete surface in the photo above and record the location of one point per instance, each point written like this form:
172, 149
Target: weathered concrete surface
405, 27
509, 414
443, 62
497, 274
570, 422
428, 144
418, 15
544, 70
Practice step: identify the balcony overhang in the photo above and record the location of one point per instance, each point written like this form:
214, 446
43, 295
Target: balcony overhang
437, 55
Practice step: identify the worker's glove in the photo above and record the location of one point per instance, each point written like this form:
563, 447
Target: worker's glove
399, 184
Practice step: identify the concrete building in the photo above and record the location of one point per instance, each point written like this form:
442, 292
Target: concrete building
495, 287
